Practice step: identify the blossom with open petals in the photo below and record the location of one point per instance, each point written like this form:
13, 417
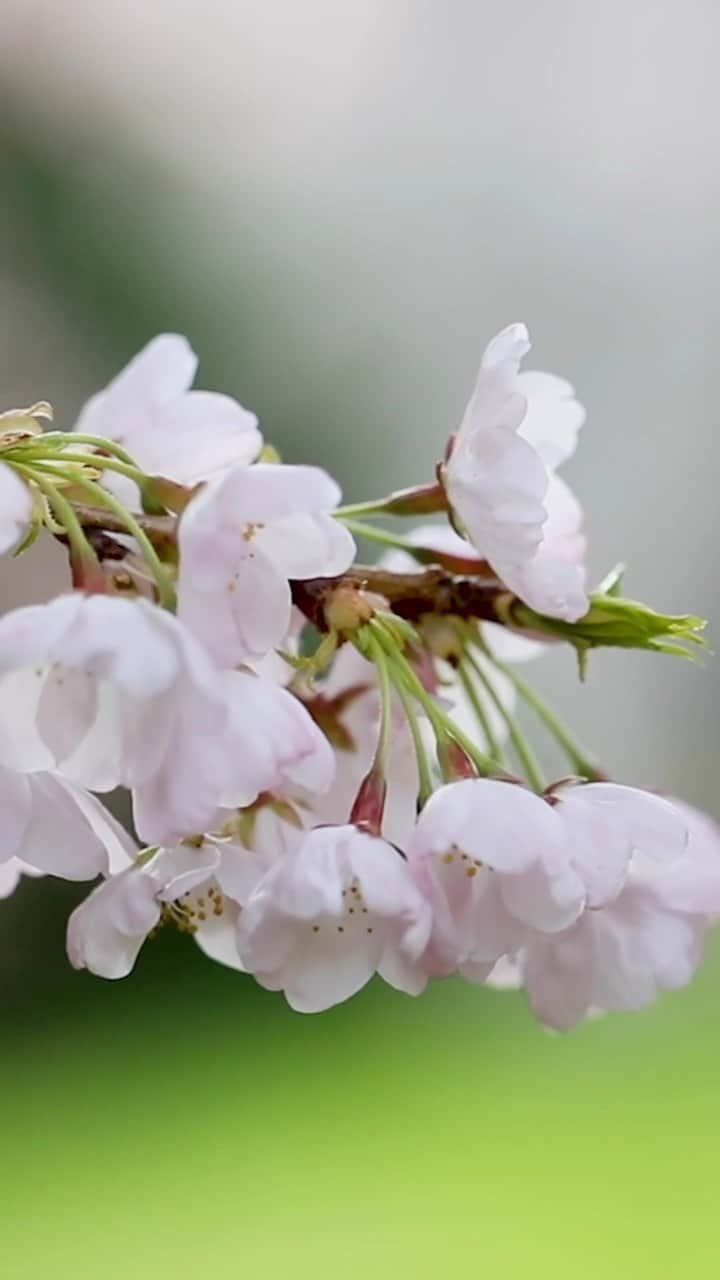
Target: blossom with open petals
169, 430
493, 860
242, 538
322, 921
113, 693
500, 479
105, 933
646, 940
118, 693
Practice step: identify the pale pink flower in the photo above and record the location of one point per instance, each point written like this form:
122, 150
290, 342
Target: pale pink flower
492, 858
198, 886
116, 693
322, 921
16, 509
606, 825
645, 941
272, 742
500, 481
242, 539
51, 826
105, 933
149, 409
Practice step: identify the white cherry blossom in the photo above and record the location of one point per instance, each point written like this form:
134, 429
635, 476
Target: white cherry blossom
493, 860
105, 933
607, 824
52, 827
500, 479
322, 921
646, 940
242, 538
198, 886
169, 430
115, 693
118, 693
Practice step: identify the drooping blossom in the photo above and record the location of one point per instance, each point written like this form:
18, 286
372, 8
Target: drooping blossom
105, 933
500, 479
607, 824
198, 886
493, 860
170, 430
624, 954
322, 921
242, 539
117, 693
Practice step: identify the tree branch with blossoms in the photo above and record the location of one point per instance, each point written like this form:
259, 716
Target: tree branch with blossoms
328, 775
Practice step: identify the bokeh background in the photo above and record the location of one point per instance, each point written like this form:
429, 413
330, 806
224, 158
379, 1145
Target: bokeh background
340, 201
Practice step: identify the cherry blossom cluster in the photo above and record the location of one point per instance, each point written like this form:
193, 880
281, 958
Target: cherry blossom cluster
327, 774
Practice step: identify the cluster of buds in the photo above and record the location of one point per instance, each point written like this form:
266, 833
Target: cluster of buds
327, 774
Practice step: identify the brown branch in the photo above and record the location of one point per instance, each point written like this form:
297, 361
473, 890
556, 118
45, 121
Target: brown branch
410, 595
159, 529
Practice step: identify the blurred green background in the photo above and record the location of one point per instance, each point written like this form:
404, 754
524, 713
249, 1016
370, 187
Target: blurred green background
339, 203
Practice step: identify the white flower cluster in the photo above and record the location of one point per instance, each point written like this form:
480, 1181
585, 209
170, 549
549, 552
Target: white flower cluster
314, 819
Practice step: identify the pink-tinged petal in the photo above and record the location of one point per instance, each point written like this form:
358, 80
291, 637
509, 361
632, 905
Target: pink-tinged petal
495, 400
261, 493
186, 435
163, 370
105, 933
160, 711
66, 710
217, 939
200, 435
558, 977
324, 971
554, 417
11, 873
504, 826
553, 582
548, 897
16, 508
324, 919
607, 824
403, 972
60, 840
179, 870
272, 740
16, 810
496, 484
307, 546
245, 617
